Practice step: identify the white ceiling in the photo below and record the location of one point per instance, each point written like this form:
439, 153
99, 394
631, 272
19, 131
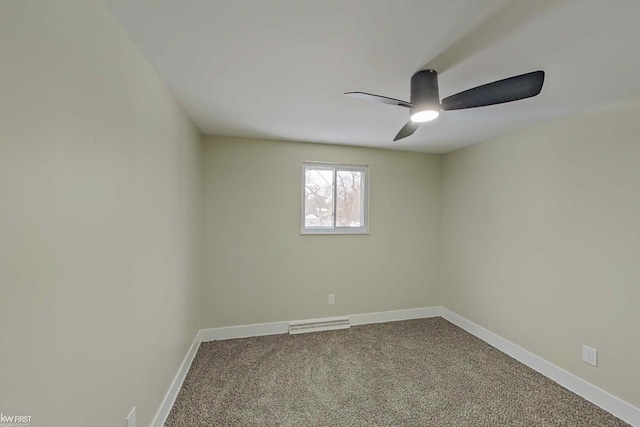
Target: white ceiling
277, 69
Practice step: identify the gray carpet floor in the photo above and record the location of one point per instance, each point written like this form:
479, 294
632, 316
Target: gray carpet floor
425, 372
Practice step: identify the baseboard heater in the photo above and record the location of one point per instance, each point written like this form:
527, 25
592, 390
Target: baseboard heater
313, 325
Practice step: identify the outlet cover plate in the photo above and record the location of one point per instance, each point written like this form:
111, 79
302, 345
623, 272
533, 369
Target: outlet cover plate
131, 418
590, 355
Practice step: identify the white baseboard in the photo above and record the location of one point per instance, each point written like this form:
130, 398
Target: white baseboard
618, 407
259, 329
243, 331
176, 384
392, 316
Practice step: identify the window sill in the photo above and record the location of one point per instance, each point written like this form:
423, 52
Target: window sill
321, 232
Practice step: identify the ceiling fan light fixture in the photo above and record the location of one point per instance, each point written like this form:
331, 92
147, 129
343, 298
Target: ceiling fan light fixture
424, 116
425, 105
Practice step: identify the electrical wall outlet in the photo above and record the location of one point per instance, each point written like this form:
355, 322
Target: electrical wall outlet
590, 355
332, 299
131, 419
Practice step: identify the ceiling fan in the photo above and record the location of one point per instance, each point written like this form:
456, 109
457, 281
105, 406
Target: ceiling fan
425, 105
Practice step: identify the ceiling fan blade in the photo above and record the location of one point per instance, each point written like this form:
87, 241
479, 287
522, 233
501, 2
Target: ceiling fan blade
379, 98
499, 92
407, 130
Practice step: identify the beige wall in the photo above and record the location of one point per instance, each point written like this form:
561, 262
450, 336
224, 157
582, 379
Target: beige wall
541, 236
258, 268
99, 220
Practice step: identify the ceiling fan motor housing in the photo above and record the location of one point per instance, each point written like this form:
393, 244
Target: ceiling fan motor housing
424, 91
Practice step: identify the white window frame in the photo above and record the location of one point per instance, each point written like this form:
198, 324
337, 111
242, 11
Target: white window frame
364, 197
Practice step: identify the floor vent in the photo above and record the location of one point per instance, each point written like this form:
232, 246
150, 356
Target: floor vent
328, 324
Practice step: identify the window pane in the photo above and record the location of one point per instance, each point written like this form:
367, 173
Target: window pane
348, 198
318, 197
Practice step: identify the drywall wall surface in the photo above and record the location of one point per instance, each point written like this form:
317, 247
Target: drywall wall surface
100, 207
541, 241
259, 268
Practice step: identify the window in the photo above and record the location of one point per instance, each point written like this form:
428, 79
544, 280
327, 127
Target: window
334, 199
